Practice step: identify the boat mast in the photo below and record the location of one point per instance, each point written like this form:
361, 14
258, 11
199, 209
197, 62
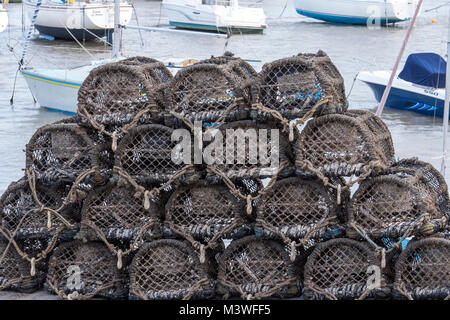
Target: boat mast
116, 38
446, 104
399, 58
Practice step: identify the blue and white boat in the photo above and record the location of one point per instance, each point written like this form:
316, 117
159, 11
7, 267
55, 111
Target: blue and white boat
419, 87
362, 12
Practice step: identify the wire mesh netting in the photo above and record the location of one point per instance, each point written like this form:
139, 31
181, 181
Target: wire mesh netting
85, 270
41, 214
295, 85
61, 151
256, 268
15, 271
343, 269
117, 93
251, 150
345, 144
145, 154
423, 270
297, 208
213, 89
395, 206
114, 213
205, 213
169, 269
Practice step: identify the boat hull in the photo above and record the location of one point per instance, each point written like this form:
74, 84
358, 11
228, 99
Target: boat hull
406, 96
3, 18
195, 16
359, 12
55, 20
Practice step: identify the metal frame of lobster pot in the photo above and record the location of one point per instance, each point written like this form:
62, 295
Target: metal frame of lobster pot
61, 151
211, 90
344, 144
169, 269
411, 200
302, 84
81, 271
340, 269
257, 268
422, 270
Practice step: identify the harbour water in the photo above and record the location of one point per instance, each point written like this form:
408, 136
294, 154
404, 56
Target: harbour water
352, 48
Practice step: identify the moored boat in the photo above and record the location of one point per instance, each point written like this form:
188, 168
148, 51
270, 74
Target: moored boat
226, 16
77, 19
360, 12
419, 87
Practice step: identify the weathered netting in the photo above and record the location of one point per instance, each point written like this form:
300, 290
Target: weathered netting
212, 90
113, 213
395, 206
430, 180
204, 214
347, 144
116, 97
61, 152
169, 269
15, 272
298, 210
252, 150
423, 270
34, 221
294, 86
343, 269
256, 268
145, 154
84, 270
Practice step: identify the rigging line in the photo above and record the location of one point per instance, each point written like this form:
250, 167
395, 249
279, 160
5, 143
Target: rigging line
33, 21
137, 22
86, 50
99, 38
440, 6
160, 13
353, 84
284, 9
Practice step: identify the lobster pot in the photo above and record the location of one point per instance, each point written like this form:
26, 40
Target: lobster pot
169, 269
344, 144
343, 269
293, 86
23, 218
114, 213
250, 150
211, 89
423, 270
60, 152
205, 211
390, 206
116, 93
256, 268
297, 208
15, 272
84, 270
428, 178
145, 154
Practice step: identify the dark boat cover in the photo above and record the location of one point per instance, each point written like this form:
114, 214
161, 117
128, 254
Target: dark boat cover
426, 69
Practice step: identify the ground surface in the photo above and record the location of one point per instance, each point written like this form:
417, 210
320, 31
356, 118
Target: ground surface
39, 295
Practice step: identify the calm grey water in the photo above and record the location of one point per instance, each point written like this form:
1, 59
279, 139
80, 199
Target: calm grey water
352, 48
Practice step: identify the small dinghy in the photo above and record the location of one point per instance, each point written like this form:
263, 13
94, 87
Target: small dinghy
83, 20
419, 87
362, 12
225, 16
3, 17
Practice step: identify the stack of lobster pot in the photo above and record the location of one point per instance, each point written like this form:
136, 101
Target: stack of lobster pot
222, 182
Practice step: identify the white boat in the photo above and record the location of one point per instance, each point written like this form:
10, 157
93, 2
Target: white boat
226, 16
361, 12
3, 18
420, 87
57, 89
77, 19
